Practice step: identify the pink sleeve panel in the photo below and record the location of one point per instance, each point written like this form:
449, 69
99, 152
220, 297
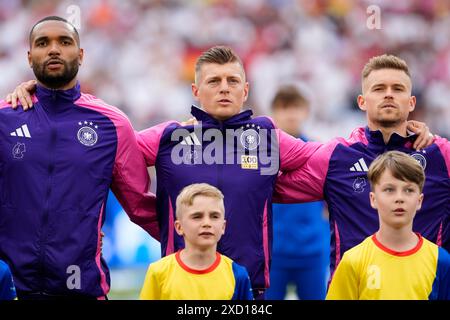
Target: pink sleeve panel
305, 183
294, 152
444, 146
357, 135
149, 139
131, 181
4, 104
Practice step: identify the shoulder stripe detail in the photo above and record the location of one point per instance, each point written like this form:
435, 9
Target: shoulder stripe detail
92, 102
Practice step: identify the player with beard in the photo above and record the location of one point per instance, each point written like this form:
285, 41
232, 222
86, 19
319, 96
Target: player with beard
337, 172
49, 67
66, 153
221, 90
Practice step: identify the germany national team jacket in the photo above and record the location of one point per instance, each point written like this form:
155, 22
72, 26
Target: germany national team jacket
57, 163
240, 156
337, 172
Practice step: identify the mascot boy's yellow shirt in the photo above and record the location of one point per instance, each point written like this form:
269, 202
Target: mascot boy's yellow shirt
370, 271
170, 279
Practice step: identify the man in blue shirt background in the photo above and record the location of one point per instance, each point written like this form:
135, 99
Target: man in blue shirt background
301, 238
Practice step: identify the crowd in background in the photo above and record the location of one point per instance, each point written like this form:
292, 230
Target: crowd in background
140, 55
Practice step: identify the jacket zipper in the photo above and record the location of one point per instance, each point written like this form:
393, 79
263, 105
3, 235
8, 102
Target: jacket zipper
46, 212
224, 154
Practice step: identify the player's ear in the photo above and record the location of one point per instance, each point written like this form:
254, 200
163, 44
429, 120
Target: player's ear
178, 228
224, 226
194, 89
419, 202
246, 87
373, 202
361, 102
412, 103
80, 56
30, 62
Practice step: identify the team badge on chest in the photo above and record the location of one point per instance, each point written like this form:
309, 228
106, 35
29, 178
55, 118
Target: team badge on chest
87, 134
250, 138
420, 159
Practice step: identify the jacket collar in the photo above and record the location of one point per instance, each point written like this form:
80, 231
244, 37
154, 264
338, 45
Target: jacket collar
205, 117
54, 100
375, 138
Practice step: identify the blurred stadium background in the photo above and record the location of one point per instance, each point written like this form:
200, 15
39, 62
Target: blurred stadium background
140, 56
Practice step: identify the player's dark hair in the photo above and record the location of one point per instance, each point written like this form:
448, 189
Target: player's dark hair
55, 18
